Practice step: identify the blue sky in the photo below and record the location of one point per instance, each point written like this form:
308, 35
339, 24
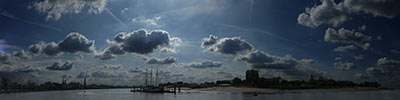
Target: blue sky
291, 39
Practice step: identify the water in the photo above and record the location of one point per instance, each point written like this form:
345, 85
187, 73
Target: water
124, 94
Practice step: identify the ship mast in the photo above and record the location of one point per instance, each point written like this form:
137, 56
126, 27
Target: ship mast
151, 77
146, 78
156, 77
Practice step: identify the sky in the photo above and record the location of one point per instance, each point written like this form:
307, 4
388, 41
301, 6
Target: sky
115, 41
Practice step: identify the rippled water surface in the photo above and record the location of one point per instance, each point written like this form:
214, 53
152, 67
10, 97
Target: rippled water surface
124, 94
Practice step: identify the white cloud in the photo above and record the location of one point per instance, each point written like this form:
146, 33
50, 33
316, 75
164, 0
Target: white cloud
147, 21
345, 48
330, 12
56, 8
344, 66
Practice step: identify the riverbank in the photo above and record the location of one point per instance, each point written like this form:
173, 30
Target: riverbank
45, 90
272, 91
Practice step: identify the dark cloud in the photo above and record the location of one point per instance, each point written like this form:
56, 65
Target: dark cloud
111, 51
344, 66
6, 58
210, 41
75, 42
330, 12
204, 64
61, 66
21, 54
11, 58
385, 8
286, 65
36, 48
232, 45
51, 49
141, 41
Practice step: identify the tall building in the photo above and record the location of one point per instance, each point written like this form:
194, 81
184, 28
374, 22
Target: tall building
84, 82
252, 76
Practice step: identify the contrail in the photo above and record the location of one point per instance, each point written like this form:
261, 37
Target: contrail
6, 14
116, 18
251, 11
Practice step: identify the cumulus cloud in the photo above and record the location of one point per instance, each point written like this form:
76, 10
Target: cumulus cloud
51, 49
67, 76
330, 12
109, 66
11, 58
73, 43
344, 66
326, 13
6, 58
36, 48
147, 21
345, 48
21, 54
385, 8
56, 8
286, 65
27, 69
161, 61
347, 36
259, 59
61, 66
204, 64
231, 46
168, 50
141, 42
385, 70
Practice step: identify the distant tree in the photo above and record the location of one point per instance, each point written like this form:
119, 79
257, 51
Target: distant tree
236, 81
252, 76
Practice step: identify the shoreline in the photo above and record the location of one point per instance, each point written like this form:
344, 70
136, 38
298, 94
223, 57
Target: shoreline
274, 91
25, 91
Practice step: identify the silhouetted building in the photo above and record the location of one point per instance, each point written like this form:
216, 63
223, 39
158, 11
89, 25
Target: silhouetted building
6, 83
252, 76
84, 82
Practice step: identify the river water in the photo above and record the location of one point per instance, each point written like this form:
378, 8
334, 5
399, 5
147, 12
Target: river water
124, 94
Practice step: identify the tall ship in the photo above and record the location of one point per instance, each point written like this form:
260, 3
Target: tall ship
150, 85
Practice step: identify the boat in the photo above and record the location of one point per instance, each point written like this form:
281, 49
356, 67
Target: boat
151, 88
